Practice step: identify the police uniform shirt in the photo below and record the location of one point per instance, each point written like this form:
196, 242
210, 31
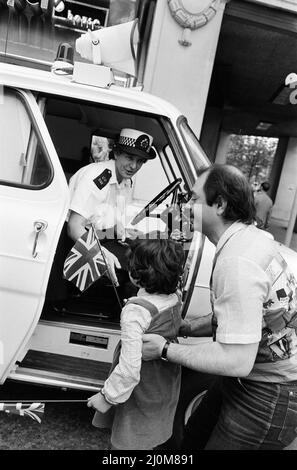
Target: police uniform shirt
95, 193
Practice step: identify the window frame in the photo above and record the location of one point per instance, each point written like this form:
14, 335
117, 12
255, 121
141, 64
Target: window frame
22, 95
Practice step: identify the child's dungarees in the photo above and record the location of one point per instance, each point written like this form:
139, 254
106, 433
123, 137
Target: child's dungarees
145, 420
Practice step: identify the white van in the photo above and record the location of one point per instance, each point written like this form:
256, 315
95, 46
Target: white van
48, 123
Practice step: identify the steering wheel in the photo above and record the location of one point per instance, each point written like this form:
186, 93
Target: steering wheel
145, 212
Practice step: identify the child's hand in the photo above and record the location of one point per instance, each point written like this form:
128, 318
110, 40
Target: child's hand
99, 403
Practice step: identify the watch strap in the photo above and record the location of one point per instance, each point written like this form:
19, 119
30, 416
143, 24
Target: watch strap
164, 351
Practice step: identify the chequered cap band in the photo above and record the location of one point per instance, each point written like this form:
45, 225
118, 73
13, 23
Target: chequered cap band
141, 143
127, 141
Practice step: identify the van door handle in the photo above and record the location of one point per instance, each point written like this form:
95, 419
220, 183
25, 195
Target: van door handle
39, 226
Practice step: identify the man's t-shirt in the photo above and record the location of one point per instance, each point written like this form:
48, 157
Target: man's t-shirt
254, 300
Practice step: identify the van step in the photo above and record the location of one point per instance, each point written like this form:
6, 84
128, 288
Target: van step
67, 365
60, 370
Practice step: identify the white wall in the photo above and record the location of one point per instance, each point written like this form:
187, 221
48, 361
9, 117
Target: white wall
182, 74
287, 185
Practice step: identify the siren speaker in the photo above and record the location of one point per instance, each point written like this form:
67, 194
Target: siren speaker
114, 46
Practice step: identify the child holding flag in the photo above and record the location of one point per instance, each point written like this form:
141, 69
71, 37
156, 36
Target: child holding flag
144, 395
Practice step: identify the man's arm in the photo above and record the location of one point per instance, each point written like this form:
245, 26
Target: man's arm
233, 360
200, 326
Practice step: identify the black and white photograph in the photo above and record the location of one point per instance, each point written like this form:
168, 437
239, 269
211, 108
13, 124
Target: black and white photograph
148, 240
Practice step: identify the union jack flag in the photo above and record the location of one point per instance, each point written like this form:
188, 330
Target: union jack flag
84, 263
33, 410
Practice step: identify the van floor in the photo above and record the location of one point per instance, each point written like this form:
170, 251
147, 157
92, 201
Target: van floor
85, 310
79, 319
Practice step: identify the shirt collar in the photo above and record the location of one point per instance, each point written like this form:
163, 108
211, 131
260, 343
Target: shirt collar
143, 293
235, 227
127, 182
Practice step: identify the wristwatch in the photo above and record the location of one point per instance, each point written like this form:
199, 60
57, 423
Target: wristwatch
164, 351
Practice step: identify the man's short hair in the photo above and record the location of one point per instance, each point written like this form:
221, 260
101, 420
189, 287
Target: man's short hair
229, 183
265, 186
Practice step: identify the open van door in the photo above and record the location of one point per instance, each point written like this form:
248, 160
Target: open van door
33, 207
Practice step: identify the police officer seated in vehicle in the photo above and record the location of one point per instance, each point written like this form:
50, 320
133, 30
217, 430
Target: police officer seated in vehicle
100, 193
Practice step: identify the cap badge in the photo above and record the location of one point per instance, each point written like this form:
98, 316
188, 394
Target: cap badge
142, 142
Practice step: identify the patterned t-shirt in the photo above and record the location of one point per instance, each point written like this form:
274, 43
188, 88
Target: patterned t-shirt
254, 300
279, 341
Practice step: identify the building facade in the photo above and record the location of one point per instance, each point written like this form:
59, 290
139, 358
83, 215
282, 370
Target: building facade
227, 60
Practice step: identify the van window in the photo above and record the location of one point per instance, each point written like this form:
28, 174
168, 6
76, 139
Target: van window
84, 133
149, 181
22, 159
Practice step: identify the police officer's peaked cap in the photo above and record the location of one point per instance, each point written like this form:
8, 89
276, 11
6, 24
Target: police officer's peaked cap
136, 143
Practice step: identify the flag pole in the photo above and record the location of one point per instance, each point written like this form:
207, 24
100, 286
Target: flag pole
17, 400
107, 267
32, 408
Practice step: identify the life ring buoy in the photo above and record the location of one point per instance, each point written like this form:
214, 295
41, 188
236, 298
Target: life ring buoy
192, 20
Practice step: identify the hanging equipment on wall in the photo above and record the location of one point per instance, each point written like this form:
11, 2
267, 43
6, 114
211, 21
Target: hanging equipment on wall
191, 21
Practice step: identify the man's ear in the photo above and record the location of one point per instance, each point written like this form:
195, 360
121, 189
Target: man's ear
221, 205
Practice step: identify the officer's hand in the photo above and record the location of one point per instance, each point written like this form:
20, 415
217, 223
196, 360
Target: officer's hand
152, 346
133, 233
112, 263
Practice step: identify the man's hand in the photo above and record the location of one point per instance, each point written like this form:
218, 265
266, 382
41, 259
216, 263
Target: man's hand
99, 403
152, 346
112, 262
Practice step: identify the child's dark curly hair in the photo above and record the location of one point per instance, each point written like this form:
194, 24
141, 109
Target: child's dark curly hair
156, 265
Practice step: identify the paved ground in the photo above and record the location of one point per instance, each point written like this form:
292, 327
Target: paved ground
63, 426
